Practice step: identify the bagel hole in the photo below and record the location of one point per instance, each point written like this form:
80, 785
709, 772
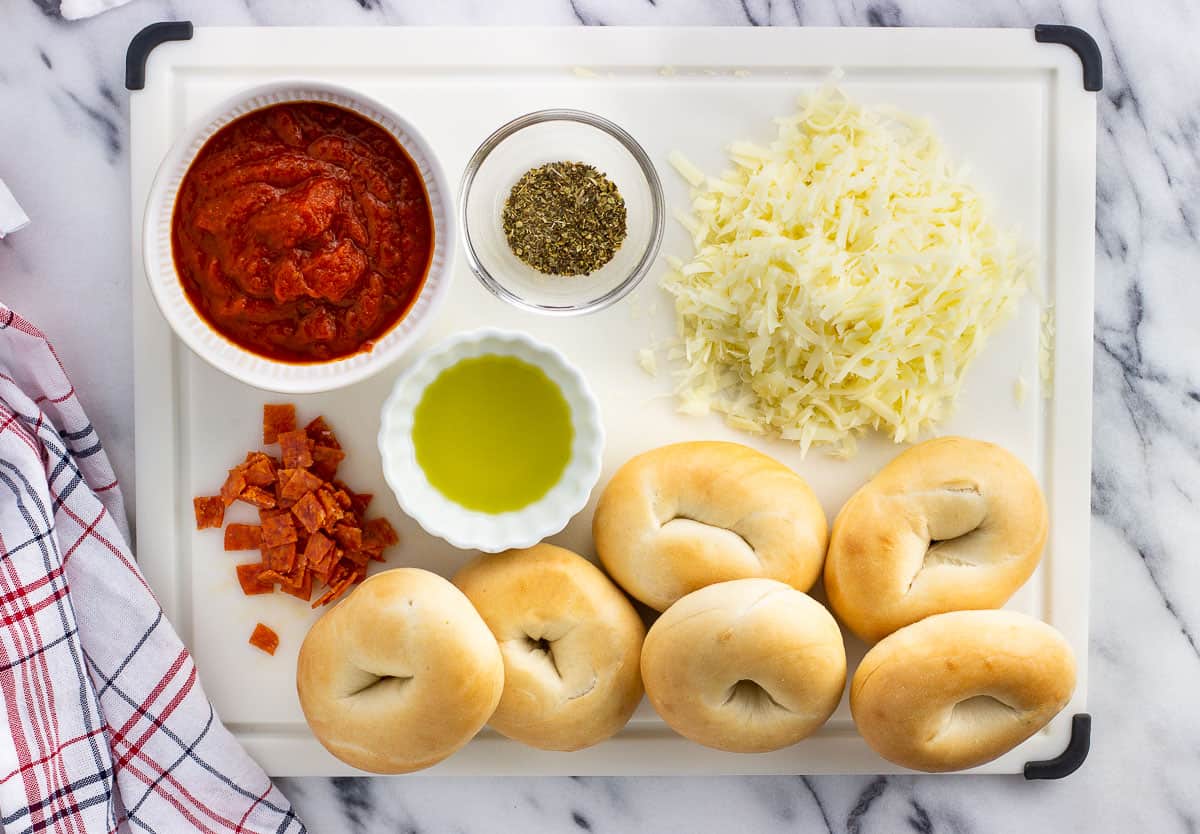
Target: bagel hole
377, 681
977, 713
546, 647
954, 514
751, 695
679, 518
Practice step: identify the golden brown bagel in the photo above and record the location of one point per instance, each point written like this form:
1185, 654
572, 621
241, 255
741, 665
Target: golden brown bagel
570, 641
745, 666
400, 674
959, 689
683, 516
950, 524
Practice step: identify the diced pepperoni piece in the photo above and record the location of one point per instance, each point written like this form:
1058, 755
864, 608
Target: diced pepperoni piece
264, 638
278, 530
269, 512
318, 549
336, 589
271, 576
295, 483
258, 497
243, 537
294, 446
281, 558
333, 512
359, 501
340, 570
210, 512
309, 512
326, 460
357, 557
381, 529
248, 578
329, 567
260, 472
350, 538
321, 434
277, 419
302, 589
234, 485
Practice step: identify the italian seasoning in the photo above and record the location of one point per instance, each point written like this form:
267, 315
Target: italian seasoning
564, 218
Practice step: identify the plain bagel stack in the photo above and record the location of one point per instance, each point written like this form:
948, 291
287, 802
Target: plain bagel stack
949, 529
725, 540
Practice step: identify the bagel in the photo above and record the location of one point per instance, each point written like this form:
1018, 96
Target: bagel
570, 642
959, 689
950, 524
400, 674
683, 516
745, 666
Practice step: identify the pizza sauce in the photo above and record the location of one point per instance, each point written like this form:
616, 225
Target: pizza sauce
302, 232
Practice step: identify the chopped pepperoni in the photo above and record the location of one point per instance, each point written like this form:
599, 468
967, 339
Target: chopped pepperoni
294, 484
320, 434
210, 512
278, 530
243, 537
348, 537
301, 590
257, 496
264, 638
294, 448
234, 486
311, 525
381, 529
308, 512
277, 419
357, 557
260, 471
248, 578
326, 460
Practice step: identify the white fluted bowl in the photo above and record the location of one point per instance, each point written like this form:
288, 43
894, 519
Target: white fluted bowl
470, 529
234, 360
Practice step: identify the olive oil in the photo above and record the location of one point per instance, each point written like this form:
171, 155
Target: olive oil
493, 433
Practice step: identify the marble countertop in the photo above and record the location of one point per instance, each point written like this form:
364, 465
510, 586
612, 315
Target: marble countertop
64, 153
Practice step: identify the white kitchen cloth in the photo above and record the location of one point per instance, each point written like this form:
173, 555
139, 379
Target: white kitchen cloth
11, 215
75, 9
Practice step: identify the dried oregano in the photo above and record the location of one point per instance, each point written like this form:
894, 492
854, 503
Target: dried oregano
564, 218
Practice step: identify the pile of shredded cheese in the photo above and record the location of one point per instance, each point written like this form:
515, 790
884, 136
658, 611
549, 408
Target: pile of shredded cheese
844, 277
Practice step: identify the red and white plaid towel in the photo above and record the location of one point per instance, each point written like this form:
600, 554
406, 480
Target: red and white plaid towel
109, 729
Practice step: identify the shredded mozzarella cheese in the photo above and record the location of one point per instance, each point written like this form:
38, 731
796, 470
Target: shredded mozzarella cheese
844, 277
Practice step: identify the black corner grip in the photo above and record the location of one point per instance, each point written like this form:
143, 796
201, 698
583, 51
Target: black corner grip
143, 44
1069, 760
1082, 44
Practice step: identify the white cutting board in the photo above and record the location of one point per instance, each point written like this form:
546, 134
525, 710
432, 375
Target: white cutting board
1012, 108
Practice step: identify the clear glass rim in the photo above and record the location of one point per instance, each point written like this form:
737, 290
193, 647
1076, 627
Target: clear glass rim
631, 145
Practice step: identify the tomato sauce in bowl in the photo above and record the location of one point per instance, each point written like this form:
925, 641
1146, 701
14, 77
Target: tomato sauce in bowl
302, 232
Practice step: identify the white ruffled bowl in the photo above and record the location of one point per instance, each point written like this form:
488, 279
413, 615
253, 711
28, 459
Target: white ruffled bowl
470, 529
211, 346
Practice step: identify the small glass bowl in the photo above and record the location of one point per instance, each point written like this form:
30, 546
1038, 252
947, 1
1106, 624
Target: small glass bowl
559, 136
